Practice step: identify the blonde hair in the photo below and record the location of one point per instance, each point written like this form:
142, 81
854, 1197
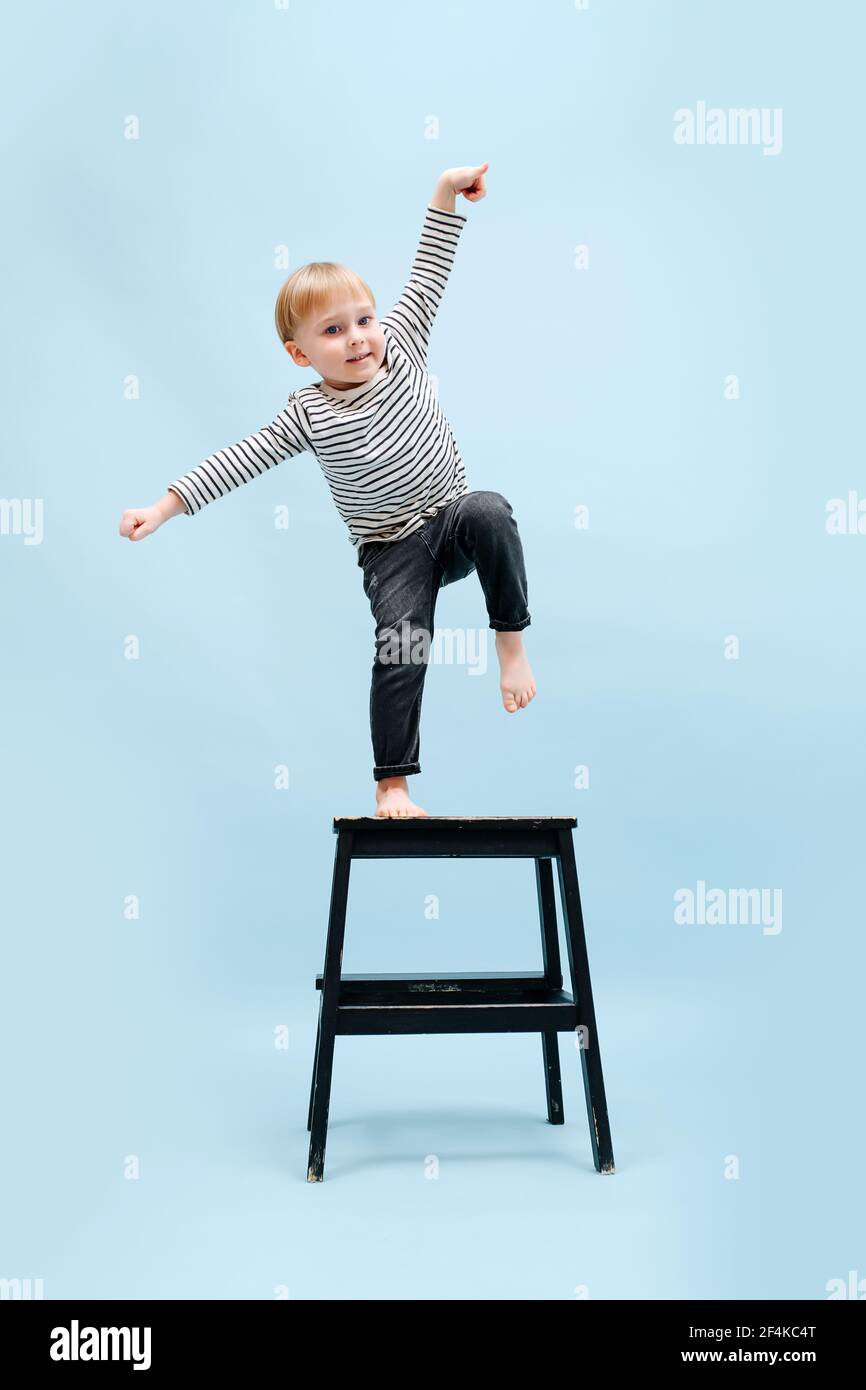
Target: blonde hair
311, 288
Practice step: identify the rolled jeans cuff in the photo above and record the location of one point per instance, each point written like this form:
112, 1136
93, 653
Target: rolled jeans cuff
398, 770
510, 627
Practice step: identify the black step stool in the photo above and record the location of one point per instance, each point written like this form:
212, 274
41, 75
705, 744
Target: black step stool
530, 1002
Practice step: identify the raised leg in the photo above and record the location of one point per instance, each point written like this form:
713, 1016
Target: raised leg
328, 1007
553, 977
481, 533
590, 1055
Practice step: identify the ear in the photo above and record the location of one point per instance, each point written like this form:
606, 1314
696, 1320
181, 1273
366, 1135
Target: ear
299, 357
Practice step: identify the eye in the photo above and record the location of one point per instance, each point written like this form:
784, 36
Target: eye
363, 319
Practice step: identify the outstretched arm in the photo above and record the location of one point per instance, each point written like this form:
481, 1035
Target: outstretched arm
240, 463
411, 318
222, 472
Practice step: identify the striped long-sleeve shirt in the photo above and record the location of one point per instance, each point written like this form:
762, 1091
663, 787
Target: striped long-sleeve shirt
385, 447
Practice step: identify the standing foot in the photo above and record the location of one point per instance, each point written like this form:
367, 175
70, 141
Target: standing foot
392, 798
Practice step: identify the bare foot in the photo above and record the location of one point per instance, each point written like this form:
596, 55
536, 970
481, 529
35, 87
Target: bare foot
515, 673
392, 798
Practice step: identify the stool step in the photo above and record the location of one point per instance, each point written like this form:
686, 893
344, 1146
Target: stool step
458, 1005
386, 823
457, 837
472, 980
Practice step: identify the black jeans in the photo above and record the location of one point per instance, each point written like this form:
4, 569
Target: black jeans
476, 531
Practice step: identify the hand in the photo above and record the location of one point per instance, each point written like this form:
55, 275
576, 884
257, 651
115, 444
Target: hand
469, 181
139, 522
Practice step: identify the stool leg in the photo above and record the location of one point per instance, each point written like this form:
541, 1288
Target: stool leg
321, 1096
578, 960
553, 977
315, 1065
552, 1078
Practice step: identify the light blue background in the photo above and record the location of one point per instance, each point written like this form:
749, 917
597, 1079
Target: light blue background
155, 777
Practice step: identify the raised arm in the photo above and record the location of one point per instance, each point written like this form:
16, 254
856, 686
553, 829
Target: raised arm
240, 463
411, 318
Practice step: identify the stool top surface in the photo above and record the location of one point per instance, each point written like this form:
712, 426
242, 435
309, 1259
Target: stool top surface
454, 822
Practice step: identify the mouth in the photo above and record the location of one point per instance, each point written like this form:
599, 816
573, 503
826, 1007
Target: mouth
363, 357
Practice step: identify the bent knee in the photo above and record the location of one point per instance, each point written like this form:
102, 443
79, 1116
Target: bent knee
487, 503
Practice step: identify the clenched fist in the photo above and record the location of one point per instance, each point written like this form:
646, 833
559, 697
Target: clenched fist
139, 522
469, 181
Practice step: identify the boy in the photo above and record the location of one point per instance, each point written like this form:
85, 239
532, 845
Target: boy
395, 474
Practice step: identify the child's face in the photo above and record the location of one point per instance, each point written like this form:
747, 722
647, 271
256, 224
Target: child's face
330, 337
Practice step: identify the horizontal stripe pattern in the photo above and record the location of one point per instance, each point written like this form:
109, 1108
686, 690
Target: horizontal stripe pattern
385, 448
